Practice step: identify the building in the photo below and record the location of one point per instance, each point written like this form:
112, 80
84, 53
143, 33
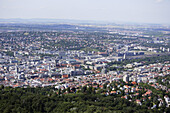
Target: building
126, 78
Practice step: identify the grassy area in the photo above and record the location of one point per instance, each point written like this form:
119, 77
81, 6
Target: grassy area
90, 49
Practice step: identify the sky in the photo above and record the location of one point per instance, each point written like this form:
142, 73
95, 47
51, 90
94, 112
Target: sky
137, 11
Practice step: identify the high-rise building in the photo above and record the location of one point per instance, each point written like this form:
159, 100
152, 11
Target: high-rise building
126, 78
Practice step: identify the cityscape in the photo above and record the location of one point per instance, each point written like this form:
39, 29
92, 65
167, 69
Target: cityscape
113, 61
85, 62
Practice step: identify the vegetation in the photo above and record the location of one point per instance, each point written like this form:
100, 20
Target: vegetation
146, 61
28, 100
164, 80
9, 53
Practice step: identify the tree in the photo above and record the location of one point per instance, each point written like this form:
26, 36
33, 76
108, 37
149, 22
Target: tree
84, 88
68, 90
1, 87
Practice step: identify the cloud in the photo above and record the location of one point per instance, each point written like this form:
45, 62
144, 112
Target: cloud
158, 1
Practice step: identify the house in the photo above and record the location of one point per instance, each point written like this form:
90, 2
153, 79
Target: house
65, 76
138, 102
113, 92
167, 100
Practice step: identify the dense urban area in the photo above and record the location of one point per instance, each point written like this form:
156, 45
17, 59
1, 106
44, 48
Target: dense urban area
84, 68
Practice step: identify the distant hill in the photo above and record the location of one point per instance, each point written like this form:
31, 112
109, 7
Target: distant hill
39, 20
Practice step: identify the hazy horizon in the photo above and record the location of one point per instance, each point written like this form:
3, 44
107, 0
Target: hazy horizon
132, 11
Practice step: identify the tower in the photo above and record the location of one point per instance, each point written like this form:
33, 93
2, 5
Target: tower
126, 78
124, 56
103, 71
